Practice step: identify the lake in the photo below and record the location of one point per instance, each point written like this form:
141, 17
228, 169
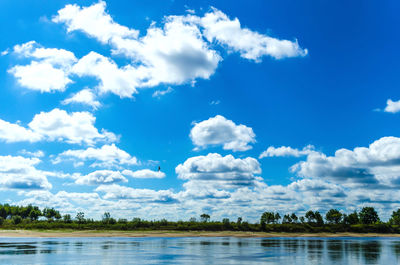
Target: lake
200, 250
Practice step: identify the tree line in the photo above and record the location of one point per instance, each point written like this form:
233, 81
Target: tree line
367, 220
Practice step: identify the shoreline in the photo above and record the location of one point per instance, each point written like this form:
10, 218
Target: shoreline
111, 234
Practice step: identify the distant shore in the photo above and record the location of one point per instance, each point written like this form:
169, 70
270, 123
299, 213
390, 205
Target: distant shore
98, 233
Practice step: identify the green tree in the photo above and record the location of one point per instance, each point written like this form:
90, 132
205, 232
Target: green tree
226, 223
67, 218
277, 217
16, 219
205, 217
267, 218
80, 217
106, 218
35, 213
368, 215
310, 215
395, 218
333, 216
318, 218
294, 218
239, 220
351, 219
286, 219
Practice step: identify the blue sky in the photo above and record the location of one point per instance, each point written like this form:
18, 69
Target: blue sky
272, 105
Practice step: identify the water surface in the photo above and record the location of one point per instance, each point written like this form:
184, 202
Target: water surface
200, 250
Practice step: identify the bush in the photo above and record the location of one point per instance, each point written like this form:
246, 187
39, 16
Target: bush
16, 219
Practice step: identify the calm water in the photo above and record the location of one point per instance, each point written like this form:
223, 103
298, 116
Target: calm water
200, 251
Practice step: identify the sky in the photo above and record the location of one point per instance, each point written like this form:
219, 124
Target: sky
171, 109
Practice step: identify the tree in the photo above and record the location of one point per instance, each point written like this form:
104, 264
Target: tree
368, 215
205, 217
67, 218
106, 218
395, 218
351, 219
287, 219
226, 223
310, 215
80, 217
318, 218
51, 213
35, 213
267, 218
277, 217
239, 220
16, 219
333, 216
294, 218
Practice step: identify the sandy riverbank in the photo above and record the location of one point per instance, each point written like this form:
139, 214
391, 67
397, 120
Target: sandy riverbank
95, 233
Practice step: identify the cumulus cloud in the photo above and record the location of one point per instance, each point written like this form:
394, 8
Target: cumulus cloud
101, 177
214, 167
17, 172
107, 155
177, 52
367, 166
47, 72
144, 174
120, 81
74, 128
287, 151
94, 21
115, 191
56, 125
392, 106
221, 131
250, 44
11, 132
85, 97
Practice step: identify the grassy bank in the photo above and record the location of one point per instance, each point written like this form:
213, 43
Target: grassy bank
182, 226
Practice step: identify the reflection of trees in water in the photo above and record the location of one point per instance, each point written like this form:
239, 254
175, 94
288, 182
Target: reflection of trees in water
353, 249
291, 245
371, 251
335, 250
315, 250
271, 243
396, 248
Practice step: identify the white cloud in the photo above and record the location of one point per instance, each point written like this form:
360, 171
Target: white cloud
174, 54
160, 93
120, 81
41, 76
286, 151
180, 51
392, 106
226, 171
220, 131
10, 133
56, 125
366, 166
94, 21
38, 153
17, 172
107, 155
74, 128
115, 191
85, 97
251, 45
48, 72
101, 177
144, 174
